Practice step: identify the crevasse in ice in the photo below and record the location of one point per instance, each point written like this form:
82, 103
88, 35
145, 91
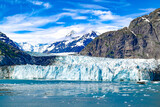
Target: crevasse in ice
88, 69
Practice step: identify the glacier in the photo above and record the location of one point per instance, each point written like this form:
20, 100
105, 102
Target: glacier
85, 68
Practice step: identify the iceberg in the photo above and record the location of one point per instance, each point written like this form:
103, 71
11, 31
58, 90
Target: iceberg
84, 68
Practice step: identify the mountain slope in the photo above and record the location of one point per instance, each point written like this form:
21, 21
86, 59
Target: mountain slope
10, 54
5, 39
71, 43
140, 40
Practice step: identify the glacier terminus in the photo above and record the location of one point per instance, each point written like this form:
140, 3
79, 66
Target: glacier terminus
84, 68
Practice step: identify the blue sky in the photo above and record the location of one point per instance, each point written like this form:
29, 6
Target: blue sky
46, 21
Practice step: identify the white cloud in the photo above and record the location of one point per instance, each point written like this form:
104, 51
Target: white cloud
116, 19
92, 6
47, 5
40, 3
144, 12
25, 22
120, 3
98, 0
37, 2
80, 17
104, 15
148, 10
77, 10
60, 22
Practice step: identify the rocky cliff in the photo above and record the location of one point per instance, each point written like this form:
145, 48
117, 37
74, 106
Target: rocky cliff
140, 40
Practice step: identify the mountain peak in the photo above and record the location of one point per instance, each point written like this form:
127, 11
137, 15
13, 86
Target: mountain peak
71, 33
91, 34
95, 33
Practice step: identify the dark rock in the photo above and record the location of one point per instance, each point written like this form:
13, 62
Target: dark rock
141, 82
43, 60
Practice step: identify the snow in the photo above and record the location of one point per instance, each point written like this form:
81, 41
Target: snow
27, 46
33, 48
51, 48
1, 37
145, 19
85, 68
80, 43
3, 41
132, 32
92, 37
72, 40
68, 41
38, 48
43, 48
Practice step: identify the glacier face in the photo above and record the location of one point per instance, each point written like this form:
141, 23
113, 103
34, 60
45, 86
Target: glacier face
87, 69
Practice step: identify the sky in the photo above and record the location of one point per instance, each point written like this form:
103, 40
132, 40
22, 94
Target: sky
47, 21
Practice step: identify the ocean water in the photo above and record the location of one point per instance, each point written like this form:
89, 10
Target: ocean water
50, 93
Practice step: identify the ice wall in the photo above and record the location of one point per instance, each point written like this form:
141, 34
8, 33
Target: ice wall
88, 69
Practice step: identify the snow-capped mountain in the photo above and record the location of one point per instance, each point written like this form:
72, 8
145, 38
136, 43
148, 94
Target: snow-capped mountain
71, 43
33, 48
70, 34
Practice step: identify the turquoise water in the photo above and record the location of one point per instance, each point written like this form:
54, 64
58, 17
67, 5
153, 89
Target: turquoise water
46, 93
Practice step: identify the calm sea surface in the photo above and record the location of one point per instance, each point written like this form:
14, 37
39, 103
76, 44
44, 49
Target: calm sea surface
46, 93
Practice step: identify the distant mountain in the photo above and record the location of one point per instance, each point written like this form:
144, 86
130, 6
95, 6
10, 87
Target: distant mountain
33, 48
71, 43
70, 35
140, 40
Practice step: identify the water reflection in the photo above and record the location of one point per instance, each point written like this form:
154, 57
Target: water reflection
5, 91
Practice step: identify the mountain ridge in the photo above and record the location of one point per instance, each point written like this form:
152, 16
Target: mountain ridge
71, 43
139, 40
